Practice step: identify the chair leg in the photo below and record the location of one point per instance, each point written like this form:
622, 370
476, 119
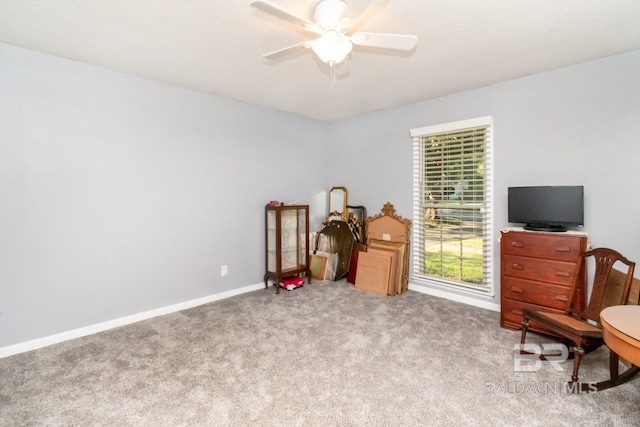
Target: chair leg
525, 326
578, 353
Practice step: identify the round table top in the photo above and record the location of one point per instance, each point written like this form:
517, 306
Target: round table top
624, 318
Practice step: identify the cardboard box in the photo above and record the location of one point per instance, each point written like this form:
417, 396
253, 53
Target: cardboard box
393, 268
374, 272
402, 283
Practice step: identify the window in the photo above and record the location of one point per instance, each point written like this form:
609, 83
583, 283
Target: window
452, 205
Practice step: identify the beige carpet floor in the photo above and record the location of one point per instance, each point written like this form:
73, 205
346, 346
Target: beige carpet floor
326, 354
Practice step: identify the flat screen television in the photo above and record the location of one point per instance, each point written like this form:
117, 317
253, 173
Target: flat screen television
546, 208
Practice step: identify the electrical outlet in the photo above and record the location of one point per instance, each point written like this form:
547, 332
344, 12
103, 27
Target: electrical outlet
223, 270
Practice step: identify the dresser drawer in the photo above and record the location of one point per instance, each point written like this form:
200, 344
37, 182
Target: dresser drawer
512, 315
541, 245
542, 270
545, 294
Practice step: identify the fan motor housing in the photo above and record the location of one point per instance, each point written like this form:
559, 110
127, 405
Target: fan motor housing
327, 13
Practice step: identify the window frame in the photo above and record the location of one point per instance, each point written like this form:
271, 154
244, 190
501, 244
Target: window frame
418, 276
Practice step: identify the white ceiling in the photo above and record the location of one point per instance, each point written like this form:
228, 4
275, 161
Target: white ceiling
215, 46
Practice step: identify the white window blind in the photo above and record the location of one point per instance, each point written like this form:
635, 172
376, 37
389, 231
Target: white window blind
453, 204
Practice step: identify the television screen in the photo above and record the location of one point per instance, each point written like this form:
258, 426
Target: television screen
548, 208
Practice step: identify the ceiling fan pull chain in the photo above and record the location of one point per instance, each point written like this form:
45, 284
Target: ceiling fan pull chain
332, 73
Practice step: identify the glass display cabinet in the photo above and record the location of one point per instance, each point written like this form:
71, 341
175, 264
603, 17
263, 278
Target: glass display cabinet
287, 243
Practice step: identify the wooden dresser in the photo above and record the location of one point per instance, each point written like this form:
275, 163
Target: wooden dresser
537, 270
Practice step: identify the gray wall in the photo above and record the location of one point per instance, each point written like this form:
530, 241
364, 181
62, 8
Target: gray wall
576, 125
121, 195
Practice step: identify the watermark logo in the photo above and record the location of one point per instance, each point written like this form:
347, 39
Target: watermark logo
530, 357
538, 387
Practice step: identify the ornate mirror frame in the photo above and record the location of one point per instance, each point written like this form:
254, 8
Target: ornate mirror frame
338, 202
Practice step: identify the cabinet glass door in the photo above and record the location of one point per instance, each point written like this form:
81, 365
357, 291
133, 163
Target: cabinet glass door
292, 239
302, 236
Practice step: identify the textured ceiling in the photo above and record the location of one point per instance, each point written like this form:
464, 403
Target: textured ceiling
215, 46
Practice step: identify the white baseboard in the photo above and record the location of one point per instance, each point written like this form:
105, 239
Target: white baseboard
100, 327
455, 297
104, 326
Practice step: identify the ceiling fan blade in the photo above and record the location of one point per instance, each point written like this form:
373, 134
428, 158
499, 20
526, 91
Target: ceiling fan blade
386, 41
355, 11
287, 50
283, 13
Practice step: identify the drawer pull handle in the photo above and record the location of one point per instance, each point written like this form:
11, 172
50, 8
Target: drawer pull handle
517, 245
563, 249
563, 274
562, 298
517, 266
517, 290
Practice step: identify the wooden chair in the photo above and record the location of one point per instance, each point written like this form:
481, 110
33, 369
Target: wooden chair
582, 328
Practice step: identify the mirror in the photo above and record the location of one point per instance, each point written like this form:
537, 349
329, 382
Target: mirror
359, 212
337, 238
337, 201
357, 216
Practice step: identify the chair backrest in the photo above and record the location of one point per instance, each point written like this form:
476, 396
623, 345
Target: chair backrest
606, 292
634, 292
615, 286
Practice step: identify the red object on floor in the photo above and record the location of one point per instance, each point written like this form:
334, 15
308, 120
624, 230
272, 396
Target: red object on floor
292, 282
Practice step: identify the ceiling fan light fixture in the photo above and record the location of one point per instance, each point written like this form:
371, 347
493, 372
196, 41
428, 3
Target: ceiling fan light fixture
332, 47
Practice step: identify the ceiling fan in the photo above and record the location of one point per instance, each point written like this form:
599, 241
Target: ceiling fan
332, 20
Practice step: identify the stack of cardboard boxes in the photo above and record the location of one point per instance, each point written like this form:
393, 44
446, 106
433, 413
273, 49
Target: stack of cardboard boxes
383, 265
